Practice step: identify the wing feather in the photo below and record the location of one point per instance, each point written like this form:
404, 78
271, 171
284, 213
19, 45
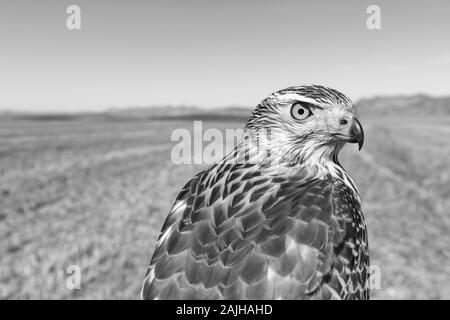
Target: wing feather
234, 234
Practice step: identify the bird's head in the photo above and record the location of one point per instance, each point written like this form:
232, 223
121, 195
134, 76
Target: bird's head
306, 123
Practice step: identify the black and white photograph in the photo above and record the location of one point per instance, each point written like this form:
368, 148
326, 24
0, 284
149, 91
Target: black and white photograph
245, 151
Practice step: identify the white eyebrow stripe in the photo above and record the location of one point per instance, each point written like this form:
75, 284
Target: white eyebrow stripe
296, 97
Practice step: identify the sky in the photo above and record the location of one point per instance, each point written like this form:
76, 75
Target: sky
212, 53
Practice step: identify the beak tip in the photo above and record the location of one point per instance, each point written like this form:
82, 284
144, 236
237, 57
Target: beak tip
359, 133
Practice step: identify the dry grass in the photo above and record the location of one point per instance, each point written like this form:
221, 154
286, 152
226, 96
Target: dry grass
95, 193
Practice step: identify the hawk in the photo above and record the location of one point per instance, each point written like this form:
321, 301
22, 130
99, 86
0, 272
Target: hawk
277, 218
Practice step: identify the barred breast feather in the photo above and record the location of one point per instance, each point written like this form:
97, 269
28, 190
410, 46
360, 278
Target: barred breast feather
243, 231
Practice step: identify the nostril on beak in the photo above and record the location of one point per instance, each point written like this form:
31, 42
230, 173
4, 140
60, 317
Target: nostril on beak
344, 122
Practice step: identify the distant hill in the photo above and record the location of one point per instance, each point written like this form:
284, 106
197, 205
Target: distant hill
137, 114
183, 113
417, 105
404, 105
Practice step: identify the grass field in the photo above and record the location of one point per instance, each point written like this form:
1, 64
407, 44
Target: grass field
94, 192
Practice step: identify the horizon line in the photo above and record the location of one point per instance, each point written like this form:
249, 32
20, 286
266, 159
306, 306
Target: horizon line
106, 109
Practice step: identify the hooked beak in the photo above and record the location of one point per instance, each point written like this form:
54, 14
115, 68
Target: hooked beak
354, 133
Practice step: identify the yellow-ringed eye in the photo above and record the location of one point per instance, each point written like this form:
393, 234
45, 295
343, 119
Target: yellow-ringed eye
299, 111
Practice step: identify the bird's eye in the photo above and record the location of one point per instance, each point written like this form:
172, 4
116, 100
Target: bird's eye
300, 112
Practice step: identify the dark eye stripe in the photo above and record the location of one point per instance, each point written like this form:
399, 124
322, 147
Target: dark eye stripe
311, 105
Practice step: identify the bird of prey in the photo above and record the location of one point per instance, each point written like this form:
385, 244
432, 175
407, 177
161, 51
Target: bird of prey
277, 218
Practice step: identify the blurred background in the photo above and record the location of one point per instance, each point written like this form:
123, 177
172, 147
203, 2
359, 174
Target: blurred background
86, 118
